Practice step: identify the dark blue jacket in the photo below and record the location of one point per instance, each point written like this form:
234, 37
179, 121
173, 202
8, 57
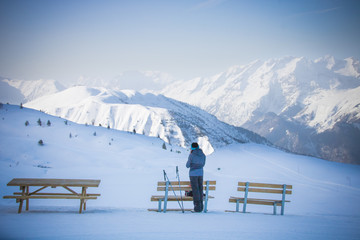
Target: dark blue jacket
196, 162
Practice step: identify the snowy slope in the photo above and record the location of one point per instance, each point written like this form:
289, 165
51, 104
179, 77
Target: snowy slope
314, 97
175, 122
20, 91
130, 165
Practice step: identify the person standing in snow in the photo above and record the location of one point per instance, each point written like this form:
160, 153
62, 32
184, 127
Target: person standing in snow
196, 162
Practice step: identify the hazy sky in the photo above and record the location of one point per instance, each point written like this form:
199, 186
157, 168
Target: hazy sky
64, 40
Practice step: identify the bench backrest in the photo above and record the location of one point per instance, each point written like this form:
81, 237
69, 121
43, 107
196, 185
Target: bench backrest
264, 188
185, 186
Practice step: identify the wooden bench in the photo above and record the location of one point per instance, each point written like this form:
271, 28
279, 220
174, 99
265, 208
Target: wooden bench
174, 187
262, 188
26, 194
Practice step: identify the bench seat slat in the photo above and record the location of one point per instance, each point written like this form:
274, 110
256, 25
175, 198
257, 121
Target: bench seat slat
177, 188
264, 190
183, 183
241, 200
264, 185
173, 198
171, 209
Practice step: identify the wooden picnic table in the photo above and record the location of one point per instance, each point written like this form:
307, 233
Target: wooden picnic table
43, 183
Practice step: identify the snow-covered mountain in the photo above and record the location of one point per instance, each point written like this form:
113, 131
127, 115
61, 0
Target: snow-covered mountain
175, 122
308, 107
20, 91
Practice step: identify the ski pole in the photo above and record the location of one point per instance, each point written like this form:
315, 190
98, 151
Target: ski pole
166, 178
178, 177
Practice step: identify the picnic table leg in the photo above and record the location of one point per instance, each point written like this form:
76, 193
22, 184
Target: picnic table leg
82, 199
27, 200
22, 188
84, 194
20, 205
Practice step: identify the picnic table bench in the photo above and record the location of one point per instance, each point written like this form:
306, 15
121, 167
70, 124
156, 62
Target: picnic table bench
42, 183
169, 190
264, 188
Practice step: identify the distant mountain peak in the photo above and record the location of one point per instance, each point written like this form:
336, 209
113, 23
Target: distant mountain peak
314, 96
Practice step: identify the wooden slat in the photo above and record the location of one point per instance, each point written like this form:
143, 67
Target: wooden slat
173, 198
264, 190
258, 201
54, 182
177, 188
183, 183
60, 194
177, 210
233, 199
265, 185
163, 183
51, 197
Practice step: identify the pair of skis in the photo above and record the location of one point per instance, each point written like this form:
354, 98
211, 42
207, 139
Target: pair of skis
166, 179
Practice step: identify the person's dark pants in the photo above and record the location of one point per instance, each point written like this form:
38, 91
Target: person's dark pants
197, 189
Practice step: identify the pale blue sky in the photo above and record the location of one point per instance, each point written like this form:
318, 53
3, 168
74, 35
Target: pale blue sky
66, 39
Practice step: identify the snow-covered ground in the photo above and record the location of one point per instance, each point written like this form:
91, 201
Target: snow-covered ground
324, 203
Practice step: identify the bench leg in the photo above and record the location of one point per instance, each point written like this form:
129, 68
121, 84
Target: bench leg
237, 205
274, 208
159, 207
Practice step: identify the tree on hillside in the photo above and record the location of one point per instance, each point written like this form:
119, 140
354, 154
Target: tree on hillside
40, 142
164, 146
39, 122
27, 123
48, 123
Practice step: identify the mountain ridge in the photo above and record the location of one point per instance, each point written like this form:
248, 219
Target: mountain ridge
313, 96
175, 122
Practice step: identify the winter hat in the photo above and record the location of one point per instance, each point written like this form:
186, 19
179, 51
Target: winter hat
194, 146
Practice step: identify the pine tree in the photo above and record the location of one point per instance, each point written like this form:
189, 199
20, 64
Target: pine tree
27, 123
134, 131
41, 143
66, 122
39, 122
48, 123
21, 106
94, 133
164, 146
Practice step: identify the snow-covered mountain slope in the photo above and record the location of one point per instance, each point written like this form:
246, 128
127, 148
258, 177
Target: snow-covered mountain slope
20, 91
290, 101
127, 163
175, 122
